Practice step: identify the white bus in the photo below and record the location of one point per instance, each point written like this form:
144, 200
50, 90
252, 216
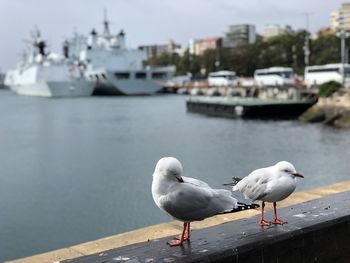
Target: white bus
317, 75
275, 76
222, 78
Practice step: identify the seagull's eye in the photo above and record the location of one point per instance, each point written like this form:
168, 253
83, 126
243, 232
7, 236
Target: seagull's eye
286, 170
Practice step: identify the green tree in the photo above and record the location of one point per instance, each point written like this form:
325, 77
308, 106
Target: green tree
325, 49
282, 50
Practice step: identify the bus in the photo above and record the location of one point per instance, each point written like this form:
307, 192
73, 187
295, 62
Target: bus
222, 78
317, 75
274, 76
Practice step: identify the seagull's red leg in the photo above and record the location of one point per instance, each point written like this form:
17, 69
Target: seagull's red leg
178, 242
277, 221
187, 232
263, 222
188, 235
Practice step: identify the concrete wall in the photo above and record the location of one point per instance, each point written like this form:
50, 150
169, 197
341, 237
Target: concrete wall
319, 213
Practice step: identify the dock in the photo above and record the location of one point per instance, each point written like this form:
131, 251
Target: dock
248, 108
318, 230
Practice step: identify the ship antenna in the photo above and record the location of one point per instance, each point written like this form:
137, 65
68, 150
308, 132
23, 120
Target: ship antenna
105, 23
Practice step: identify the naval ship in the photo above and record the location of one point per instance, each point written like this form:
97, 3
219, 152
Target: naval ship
2, 78
115, 69
47, 74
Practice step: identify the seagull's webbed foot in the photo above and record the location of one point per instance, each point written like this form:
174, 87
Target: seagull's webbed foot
277, 221
186, 232
179, 238
263, 222
175, 243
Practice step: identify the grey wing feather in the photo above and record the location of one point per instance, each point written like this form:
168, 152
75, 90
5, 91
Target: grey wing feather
192, 203
254, 186
195, 181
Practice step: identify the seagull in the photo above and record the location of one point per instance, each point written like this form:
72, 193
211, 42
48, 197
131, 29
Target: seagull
269, 184
188, 199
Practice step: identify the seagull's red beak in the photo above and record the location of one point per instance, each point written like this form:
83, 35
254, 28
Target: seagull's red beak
180, 180
298, 175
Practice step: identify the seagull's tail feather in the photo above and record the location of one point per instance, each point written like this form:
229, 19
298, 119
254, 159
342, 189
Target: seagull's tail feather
235, 181
242, 207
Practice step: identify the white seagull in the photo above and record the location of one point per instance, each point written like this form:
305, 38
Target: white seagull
188, 199
270, 184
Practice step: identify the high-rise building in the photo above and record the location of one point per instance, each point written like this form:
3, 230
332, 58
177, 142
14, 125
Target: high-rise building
157, 50
272, 30
199, 46
340, 19
239, 35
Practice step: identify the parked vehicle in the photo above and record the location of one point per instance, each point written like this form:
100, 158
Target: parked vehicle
274, 76
317, 75
222, 78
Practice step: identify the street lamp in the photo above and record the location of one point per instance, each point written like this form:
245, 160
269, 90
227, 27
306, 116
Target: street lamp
306, 46
342, 34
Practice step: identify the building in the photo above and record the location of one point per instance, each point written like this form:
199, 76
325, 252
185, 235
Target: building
199, 46
156, 50
272, 30
239, 35
326, 31
340, 19
334, 21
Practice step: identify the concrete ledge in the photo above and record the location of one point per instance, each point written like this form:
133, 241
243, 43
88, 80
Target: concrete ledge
173, 228
317, 231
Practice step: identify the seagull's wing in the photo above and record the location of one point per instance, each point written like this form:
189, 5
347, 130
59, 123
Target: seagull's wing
255, 185
188, 202
195, 182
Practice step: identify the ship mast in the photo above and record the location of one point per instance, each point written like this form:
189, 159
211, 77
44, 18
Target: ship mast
106, 32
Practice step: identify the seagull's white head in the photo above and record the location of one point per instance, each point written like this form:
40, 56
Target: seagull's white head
169, 168
286, 168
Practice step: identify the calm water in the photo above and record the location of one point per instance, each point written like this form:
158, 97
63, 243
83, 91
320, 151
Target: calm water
74, 170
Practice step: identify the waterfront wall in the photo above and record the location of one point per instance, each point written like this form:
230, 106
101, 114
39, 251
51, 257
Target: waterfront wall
333, 111
317, 231
310, 224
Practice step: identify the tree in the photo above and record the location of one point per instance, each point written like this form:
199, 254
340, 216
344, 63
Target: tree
325, 49
283, 50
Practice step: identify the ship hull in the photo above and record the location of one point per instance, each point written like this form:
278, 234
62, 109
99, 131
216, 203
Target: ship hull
74, 88
109, 84
127, 87
249, 108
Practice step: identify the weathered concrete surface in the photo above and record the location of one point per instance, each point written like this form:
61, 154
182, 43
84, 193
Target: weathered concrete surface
172, 228
317, 231
334, 110
344, 120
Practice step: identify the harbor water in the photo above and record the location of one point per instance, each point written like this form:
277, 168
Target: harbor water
74, 170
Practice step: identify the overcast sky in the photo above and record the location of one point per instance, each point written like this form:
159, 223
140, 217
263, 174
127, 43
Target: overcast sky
148, 21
